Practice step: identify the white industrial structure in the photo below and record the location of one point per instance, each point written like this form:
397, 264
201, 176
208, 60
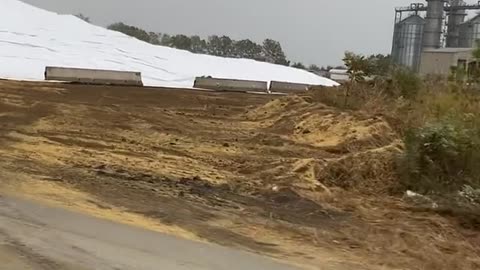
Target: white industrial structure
435, 25
32, 38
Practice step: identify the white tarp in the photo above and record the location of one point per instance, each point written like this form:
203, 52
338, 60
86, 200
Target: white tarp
32, 38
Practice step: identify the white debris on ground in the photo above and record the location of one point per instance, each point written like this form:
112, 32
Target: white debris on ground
470, 194
419, 199
32, 38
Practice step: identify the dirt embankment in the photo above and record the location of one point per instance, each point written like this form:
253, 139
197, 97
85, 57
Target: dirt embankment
285, 177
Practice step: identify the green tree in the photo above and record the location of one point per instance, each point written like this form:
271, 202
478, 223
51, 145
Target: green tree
226, 46
299, 65
380, 64
274, 53
198, 45
358, 67
314, 68
130, 30
181, 42
214, 46
83, 17
220, 46
166, 40
247, 49
405, 83
154, 38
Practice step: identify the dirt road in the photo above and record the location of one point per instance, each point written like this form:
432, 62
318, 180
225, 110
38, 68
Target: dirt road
34, 236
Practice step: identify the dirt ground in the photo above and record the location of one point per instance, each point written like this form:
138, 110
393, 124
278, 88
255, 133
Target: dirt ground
281, 176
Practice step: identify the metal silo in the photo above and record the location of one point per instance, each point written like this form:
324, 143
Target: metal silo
407, 42
469, 32
433, 24
455, 18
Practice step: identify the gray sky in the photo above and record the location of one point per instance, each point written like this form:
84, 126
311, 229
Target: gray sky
311, 31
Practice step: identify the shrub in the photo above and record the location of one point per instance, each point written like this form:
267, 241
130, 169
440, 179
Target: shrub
439, 122
361, 96
442, 141
440, 157
404, 83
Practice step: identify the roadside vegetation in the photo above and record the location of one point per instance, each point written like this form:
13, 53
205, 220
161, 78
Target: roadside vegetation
438, 120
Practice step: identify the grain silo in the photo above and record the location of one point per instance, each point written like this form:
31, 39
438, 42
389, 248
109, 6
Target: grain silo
456, 17
407, 41
433, 24
469, 32
437, 24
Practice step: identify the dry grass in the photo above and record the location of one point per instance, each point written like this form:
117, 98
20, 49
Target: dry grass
369, 172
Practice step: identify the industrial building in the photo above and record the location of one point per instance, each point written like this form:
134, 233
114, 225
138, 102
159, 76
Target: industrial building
433, 37
440, 61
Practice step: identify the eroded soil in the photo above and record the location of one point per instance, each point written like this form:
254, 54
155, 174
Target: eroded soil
282, 176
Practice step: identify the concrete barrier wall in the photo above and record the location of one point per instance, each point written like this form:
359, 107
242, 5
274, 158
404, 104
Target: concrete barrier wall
93, 76
339, 77
230, 85
286, 87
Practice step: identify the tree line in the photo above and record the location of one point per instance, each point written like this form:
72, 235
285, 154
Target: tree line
360, 66
269, 51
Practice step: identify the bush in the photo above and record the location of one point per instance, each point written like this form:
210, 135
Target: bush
361, 96
442, 141
439, 123
440, 157
404, 83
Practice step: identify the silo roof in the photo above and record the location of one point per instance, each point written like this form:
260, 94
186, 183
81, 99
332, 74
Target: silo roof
472, 20
416, 18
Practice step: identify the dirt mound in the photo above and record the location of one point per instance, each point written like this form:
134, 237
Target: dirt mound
371, 172
342, 131
368, 172
277, 108
360, 150
302, 121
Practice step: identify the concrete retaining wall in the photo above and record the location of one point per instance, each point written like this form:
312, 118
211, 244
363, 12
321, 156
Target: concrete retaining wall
93, 76
339, 77
285, 87
230, 85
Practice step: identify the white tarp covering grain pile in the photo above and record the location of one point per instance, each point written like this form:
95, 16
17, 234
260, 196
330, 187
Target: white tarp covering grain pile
32, 38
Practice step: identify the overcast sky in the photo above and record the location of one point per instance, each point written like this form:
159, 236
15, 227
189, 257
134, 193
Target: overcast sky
311, 31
